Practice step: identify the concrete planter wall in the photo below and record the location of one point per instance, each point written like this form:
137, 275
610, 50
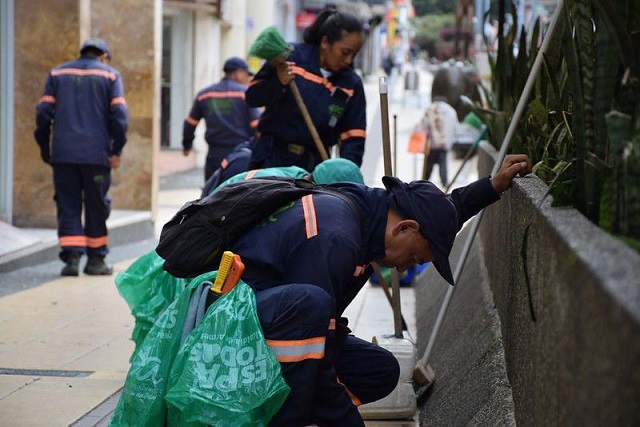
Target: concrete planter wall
578, 362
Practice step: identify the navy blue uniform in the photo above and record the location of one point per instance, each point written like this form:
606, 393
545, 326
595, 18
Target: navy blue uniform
84, 101
237, 161
336, 104
306, 263
229, 121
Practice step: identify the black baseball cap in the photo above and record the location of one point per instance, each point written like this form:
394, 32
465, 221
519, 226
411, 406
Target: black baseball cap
423, 202
96, 43
235, 63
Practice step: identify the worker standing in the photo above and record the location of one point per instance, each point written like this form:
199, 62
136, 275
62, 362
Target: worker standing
333, 93
84, 102
229, 119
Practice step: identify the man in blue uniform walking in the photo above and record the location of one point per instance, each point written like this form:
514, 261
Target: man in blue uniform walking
229, 120
84, 102
308, 262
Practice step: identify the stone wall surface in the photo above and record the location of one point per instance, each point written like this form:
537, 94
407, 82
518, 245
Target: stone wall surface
46, 34
471, 385
129, 28
568, 296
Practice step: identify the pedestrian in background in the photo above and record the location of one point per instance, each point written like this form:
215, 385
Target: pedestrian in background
441, 120
229, 119
333, 93
84, 103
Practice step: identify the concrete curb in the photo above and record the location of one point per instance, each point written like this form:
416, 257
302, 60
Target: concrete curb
126, 226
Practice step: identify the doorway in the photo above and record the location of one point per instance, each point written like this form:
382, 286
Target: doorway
177, 70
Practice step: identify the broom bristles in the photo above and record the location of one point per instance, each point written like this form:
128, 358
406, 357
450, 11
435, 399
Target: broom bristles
269, 45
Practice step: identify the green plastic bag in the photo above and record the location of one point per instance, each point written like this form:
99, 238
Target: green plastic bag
142, 402
225, 374
148, 290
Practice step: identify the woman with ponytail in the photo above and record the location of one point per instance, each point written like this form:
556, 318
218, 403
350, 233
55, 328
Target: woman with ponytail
322, 67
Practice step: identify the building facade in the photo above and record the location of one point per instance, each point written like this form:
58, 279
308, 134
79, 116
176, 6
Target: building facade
165, 50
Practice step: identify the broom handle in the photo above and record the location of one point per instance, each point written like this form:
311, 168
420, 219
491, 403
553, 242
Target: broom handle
307, 120
383, 87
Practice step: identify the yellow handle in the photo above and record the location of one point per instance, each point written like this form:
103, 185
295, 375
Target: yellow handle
223, 271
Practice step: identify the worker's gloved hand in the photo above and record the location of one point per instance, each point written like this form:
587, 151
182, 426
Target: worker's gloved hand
44, 155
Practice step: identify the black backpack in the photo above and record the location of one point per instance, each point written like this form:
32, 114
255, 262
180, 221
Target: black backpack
193, 241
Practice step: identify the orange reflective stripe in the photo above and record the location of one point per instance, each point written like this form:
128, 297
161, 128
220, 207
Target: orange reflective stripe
224, 163
48, 98
309, 211
207, 95
191, 121
83, 73
307, 75
352, 396
353, 133
97, 242
253, 123
72, 241
359, 270
332, 324
296, 350
118, 100
251, 174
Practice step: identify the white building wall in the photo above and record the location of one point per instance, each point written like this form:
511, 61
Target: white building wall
285, 20
234, 33
207, 69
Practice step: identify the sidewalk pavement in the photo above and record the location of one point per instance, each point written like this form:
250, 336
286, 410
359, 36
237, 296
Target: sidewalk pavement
64, 342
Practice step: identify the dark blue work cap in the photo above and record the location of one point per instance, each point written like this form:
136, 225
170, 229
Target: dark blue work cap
235, 63
96, 43
423, 202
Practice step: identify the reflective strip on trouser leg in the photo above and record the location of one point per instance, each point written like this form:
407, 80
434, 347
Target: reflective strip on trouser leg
298, 350
295, 320
67, 182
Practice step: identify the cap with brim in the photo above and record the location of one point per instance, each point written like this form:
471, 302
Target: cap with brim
96, 43
235, 63
423, 202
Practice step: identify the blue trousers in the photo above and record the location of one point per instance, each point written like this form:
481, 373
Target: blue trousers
74, 186
437, 156
215, 155
325, 389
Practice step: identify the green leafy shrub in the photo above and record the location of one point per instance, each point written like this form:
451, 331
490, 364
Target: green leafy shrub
581, 126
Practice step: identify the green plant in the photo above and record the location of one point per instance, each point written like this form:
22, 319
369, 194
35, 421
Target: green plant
581, 127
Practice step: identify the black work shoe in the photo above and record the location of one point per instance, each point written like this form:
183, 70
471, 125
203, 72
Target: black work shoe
97, 267
72, 267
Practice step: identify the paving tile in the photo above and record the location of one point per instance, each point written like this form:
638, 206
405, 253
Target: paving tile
35, 405
111, 357
11, 383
